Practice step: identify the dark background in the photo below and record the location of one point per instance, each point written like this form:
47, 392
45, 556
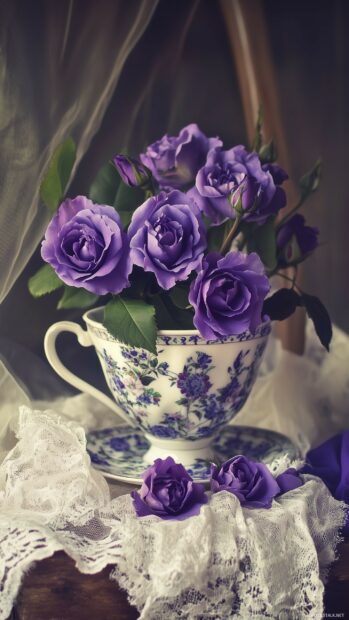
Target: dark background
182, 71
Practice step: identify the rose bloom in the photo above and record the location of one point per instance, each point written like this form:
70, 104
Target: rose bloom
132, 172
168, 492
87, 247
167, 236
295, 239
229, 176
228, 294
251, 482
175, 160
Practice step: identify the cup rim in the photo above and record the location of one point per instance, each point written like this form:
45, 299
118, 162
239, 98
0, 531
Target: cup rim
171, 332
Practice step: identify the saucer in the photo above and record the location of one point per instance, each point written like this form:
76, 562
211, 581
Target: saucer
118, 452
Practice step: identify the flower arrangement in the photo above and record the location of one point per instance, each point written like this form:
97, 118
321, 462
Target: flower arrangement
186, 236
169, 492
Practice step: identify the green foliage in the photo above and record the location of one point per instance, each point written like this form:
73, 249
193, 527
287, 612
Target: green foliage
263, 241
258, 138
127, 199
131, 321
170, 316
281, 304
105, 185
310, 181
317, 312
76, 298
44, 281
179, 295
55, 181
268, 153
108, 189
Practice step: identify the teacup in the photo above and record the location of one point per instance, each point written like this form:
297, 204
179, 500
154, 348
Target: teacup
180, 398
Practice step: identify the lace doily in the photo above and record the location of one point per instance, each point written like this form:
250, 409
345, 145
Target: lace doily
228, 562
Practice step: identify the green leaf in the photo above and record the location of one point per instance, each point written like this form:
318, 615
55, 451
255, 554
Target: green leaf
168, 316
179, 296
310, 181
263, 241
55, 181
131, 321
126, 200
258, 139
44, 281
76, 298
216, 236
268, 153
317, 312
105, 186
282, 304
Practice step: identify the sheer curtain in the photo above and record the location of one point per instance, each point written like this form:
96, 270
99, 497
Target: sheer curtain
60, 63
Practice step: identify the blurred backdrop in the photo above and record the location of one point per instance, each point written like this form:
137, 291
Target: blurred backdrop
164, 64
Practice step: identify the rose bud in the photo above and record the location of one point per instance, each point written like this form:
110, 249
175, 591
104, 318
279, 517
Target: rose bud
295, 240
132, 172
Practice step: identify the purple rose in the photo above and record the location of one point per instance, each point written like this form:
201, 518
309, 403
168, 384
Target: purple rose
295, 239
175, 160
87, 247
330, 462
132, 172
251, 482
228, 293
167, 237
289, 480
169, 492
236, 180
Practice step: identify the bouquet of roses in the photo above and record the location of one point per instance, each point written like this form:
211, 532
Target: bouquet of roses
186, 236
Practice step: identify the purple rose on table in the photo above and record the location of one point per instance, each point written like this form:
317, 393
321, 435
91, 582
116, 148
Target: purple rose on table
289, 480
87, 247
295, 239
168, 492
132, 172
236, 180
251, 482
175, 160
228, 293
167, 237
330, 462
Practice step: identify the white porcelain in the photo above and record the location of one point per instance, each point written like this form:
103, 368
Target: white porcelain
181, 398
119, 452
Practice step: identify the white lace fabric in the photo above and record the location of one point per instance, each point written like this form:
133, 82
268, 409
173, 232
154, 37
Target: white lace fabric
227, 562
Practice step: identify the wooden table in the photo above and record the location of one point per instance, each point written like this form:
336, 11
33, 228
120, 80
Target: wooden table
55, 590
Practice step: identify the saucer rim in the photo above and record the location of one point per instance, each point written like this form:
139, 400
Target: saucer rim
205, 481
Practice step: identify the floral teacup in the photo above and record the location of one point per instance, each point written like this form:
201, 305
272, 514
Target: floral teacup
180, 398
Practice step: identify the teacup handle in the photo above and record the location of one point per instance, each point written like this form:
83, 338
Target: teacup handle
84, 340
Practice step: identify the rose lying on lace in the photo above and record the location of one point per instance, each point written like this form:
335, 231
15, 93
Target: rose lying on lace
330, 462
168, 492
252, 482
